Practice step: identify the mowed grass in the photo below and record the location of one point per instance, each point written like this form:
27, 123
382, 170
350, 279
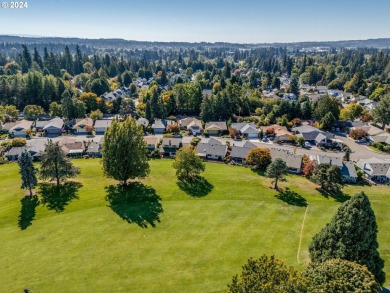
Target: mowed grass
195, 245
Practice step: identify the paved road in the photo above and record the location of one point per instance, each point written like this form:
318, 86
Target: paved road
360, 151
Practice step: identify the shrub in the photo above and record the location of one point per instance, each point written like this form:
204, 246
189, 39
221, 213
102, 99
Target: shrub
357, 133
18, 142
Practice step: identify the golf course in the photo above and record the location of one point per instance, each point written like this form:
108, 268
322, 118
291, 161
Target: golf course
160, 236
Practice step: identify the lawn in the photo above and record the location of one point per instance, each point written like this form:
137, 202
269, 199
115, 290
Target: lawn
89, 240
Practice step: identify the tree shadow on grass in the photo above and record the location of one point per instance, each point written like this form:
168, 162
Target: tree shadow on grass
291, 197
336, 195
199, 187
57, 198
135, 203
258, 171
27, 211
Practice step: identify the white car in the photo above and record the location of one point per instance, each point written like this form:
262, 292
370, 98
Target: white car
307, 145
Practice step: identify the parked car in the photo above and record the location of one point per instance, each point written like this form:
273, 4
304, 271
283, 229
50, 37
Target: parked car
265, 139
194, 134
362, 140
307, 145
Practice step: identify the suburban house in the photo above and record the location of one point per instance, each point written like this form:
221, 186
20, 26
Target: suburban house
348, 171
215, 128
377, 170
293, 162
169, 146
375, 134
151, 143
94, 150
40, 124
83, 126
239, 152
211, 149
7, 126
193, 125
143, 121
313, 135
20, 128
281, 133
248, 130
53, 127
73, 149
13, 153
102, 125
158, 126
289, 96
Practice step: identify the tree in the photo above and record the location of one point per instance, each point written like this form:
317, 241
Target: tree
28, 171
325, 105
337, 275
277, 170
96, 115
267, 274
55, 165
55, 109
358, 133
351, 235
328, 121
334, 180
381, 112
320, 175
351, 112
33, 111
259, 158
188, 165
294, 86
173, 128
18, 142
309, 168
124, 151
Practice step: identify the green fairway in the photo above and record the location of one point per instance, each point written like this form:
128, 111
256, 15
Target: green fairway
173, 242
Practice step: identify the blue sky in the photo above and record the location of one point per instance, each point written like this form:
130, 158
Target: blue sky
242, 21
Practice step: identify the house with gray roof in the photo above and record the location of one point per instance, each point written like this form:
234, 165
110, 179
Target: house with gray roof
169, 146
313, 135
248, 130
53, 127
83, 126
293, 162
13, 153
211, 149
348, 171
94, 150
102, 125
239, 152
377, 170
158, 126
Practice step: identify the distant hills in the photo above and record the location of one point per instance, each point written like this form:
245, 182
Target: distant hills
131, 44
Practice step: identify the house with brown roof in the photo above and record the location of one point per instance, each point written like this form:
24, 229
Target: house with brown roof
21, 128
151, 142
191, 124
280, 133
83, 126
215, 128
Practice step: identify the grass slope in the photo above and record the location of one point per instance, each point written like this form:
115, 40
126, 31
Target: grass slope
196, 244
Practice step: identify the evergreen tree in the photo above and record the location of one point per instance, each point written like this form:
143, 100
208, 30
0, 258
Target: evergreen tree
381, 112
294, 86
351, 235
55, 165
124, 151
28, 171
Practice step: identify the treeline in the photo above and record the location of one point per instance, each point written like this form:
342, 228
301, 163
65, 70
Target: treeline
234, 81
